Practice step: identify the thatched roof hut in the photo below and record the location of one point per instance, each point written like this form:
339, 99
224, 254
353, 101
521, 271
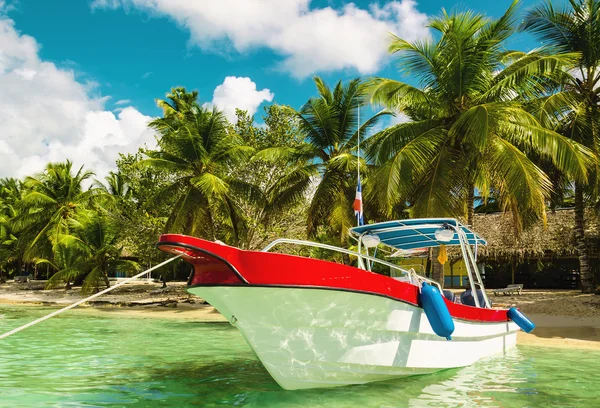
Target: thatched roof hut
555, 240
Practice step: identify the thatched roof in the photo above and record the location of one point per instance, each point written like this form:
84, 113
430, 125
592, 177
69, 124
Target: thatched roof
555, 240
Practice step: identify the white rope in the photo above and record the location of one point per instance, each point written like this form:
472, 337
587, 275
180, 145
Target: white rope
71, 306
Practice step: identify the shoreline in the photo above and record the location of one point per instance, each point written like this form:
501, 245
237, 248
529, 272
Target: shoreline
577, 325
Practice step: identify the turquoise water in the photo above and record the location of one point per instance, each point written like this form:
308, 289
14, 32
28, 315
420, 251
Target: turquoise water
98, 360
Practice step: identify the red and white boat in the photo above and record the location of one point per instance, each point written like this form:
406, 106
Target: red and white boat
315, 323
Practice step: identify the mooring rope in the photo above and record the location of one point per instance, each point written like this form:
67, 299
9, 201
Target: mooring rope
71, 306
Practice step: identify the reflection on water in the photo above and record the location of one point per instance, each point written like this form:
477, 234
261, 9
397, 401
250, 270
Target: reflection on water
78, 359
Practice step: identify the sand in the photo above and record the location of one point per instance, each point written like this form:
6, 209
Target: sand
563, 318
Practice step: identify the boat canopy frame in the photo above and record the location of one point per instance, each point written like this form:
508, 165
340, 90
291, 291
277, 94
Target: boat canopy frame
423, 233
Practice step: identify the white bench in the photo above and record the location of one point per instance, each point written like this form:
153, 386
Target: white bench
510, 289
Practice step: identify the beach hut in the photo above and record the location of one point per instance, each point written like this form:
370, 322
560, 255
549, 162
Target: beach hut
541, 256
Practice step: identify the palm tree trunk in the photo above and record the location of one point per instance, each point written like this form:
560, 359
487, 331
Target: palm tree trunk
585, 272
470, 203
105, 274
346, 259
428, 266
437, 269
212, 224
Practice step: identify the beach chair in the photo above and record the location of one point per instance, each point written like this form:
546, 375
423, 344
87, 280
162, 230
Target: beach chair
510, 289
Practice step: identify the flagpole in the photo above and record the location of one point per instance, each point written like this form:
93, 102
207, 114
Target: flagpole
358, 160
358, 147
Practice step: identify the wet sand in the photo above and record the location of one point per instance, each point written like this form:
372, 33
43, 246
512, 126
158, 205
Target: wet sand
563, 318
563, 331
198, 313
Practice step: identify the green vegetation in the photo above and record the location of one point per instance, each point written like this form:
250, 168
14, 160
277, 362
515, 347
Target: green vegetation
469, 126
520, 129
574, 107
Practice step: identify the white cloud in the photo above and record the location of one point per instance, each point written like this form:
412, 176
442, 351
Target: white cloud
105, 4
240, 93
309, 39
6, 7
47, 115
122, 102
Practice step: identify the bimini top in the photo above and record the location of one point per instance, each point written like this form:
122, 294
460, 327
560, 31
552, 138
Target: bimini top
417, 233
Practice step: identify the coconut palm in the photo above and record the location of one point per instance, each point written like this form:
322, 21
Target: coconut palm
49, 200
116, 185
90, 251
328, 124
10, 252
468, 129
195, 147
575, 110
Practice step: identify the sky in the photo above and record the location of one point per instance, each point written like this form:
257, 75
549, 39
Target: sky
79, 78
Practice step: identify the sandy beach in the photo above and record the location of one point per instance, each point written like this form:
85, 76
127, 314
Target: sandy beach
563, 318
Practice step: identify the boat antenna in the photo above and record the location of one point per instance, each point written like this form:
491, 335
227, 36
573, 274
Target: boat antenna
358, 203
358, 145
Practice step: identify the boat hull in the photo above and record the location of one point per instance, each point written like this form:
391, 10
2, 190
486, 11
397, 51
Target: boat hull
315, 337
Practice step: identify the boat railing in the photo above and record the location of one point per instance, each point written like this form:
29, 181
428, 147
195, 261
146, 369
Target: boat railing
417, 267
361, 258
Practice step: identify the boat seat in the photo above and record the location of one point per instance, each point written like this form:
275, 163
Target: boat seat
466, 298
448, 294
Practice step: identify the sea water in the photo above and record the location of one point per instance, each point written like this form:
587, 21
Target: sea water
103, 359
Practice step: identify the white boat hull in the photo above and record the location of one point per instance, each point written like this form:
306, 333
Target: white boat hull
312, 338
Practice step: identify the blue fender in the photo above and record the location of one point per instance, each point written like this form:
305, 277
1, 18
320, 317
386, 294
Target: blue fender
436, 311
519, 318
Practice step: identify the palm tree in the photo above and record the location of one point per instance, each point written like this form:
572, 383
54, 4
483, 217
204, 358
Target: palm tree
195, 147
116, 185
328, 123
91, 251
10, 253
468, 127
576, 109
50, 199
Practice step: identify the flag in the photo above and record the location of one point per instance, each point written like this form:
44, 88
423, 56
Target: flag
358, 206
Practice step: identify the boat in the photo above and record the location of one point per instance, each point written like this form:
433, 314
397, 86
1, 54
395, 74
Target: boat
315, 323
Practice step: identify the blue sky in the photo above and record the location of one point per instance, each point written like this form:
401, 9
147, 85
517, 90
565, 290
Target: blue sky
117, 56
138, 56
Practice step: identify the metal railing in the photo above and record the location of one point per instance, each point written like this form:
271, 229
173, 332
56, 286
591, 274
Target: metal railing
361, 257
475, 280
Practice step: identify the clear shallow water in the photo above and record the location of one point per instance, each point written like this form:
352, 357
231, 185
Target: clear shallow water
78, 359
